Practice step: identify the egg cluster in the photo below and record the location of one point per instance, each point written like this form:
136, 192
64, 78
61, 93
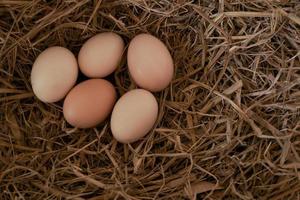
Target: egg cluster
55, 71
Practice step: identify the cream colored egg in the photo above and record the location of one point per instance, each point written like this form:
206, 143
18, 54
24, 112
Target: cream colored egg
100, 55
133, 115
53, 74
150, 63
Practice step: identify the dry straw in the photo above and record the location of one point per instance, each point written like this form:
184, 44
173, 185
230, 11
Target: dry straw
228, 126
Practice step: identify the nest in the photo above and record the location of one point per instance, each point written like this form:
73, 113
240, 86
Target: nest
228, 125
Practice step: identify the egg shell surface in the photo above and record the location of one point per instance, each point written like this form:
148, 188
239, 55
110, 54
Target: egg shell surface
134, 115
150, 63
89, 103
101, 54
53, 74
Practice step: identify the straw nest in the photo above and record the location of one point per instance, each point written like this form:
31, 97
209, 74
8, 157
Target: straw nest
228, 126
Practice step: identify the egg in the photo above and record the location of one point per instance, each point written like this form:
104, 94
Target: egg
134, 115
53, 74
150, 63
100, 55
89, 103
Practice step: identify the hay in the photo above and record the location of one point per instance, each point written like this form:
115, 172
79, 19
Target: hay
228, 126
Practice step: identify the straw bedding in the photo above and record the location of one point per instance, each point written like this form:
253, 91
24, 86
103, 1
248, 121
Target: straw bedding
228, 125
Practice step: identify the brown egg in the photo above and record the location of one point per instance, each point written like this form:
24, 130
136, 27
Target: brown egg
133, 115
89, 103
100, 55
54, 73
150, 63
